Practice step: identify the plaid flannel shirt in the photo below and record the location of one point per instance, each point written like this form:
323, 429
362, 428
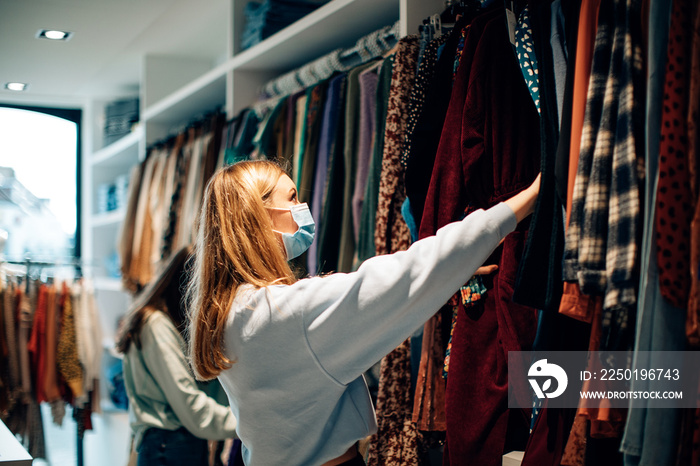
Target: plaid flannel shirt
601, 250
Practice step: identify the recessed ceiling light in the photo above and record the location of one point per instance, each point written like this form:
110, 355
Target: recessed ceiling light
54, 34
16, 86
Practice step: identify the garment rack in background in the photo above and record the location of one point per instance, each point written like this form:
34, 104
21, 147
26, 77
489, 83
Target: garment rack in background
197, 121
77, 264
32, 264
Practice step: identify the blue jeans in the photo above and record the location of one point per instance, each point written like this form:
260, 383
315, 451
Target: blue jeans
161, 447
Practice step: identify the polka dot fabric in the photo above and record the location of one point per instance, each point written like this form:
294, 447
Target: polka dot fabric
673, 192
525, 50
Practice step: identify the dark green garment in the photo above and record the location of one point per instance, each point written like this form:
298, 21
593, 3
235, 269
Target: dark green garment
352, 115
243, 145
265, 140
314, 106
365, 246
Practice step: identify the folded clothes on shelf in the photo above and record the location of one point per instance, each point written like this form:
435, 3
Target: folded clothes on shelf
267, 18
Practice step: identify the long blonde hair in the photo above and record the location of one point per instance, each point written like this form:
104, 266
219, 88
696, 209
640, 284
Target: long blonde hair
235, 245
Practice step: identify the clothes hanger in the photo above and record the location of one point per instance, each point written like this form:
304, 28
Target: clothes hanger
458, 9
435, 22
391, 51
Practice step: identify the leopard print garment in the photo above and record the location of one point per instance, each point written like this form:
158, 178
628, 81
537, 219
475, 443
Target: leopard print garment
396, 440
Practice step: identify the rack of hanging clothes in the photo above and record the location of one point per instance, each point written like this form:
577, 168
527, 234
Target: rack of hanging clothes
51, 347
387, 152
165, 191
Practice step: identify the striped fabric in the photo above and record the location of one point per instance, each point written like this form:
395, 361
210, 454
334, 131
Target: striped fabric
601, 244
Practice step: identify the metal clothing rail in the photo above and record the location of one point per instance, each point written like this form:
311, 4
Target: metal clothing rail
370, 46
32, 264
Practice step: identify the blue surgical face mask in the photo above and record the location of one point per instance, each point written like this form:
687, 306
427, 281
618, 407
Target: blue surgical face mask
295, 244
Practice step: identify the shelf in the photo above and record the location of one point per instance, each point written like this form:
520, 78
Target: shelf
12, 452
112, 218
108, 284
339, 22
205, 93
514, 458
111, 154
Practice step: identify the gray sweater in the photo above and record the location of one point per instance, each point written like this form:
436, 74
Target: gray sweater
296, 387
163, 392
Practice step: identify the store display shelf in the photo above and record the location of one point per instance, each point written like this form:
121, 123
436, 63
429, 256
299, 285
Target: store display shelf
108, 284
514, 458
12, 451
206, 92
114, 151
339, 22
107, 219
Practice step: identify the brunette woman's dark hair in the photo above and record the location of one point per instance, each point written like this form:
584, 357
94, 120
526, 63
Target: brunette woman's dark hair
164, 294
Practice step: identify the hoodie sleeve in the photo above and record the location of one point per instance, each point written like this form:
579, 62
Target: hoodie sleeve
352, 320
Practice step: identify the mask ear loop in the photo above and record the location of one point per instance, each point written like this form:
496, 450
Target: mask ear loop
288, 209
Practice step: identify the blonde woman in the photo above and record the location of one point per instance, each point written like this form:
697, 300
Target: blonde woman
290, 353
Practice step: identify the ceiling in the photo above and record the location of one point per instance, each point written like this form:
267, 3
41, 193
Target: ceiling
102, 60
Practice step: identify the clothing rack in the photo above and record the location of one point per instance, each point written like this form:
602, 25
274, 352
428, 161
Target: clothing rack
77, 264
31, 264
370, 46
196, 121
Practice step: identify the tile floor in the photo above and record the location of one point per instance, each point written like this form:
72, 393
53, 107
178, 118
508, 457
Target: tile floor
106, 444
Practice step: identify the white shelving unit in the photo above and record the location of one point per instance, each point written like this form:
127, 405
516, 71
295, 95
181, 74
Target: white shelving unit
115, 152
175, 90
108, 219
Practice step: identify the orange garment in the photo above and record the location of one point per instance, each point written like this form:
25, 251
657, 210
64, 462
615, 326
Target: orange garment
37, 344
606, 422
429, 399
587, 26
573, 303
51, 389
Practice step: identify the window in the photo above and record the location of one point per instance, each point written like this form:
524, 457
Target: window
39, 183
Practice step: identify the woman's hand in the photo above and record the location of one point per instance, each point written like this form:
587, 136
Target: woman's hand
486, 269
523, 203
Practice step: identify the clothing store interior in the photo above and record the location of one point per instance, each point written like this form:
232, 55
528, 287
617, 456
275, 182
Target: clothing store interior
393, 119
